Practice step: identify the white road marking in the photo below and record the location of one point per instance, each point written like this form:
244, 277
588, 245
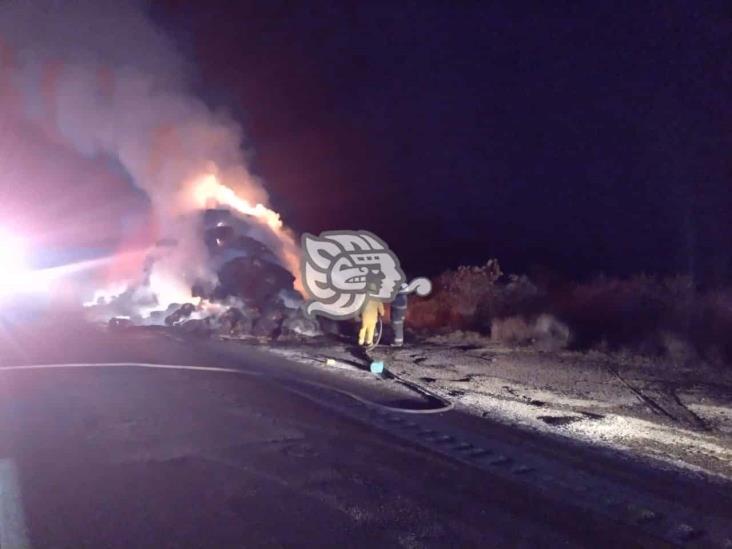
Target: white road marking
125, 364
13, 532
447, 404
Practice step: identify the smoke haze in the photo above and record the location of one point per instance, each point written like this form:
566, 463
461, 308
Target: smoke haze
94, 101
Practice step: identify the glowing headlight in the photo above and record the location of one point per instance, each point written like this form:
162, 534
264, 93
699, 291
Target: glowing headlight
15, 275
12, 262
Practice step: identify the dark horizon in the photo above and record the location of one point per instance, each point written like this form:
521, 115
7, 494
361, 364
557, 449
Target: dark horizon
583, 139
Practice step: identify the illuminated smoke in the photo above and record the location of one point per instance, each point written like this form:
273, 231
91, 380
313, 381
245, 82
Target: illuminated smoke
97, 76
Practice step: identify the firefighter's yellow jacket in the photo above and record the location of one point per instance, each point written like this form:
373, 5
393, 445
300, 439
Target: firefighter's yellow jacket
369, 316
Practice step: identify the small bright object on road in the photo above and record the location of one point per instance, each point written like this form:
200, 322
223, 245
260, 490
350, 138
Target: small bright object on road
377, 367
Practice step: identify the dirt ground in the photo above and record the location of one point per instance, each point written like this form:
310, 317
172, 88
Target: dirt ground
679, 415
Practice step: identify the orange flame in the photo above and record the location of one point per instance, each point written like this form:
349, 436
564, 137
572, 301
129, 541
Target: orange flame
210, 192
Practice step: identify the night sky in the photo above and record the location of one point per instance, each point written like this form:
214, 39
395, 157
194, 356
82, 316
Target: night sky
580, 138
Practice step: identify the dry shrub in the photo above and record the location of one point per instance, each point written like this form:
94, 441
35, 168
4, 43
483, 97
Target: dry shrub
455, 298
544, 332
469, 298
660, 317
551, 334
514, 330
709, 326
613, 311
518, 296
663, 317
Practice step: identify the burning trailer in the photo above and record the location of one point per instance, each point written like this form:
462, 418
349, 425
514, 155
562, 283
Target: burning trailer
245, 290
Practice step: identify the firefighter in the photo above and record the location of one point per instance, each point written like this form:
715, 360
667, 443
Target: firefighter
398, 315
369, 317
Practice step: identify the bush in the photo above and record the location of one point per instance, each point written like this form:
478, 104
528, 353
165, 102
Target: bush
456, 297
613, 312
470, 298
660, 317
513, 330
709, 326
543, 332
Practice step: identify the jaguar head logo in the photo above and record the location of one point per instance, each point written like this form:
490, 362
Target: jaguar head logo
342, 269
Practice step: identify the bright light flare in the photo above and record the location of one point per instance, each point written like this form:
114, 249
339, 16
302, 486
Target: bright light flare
168, 289
15, 276
12, 254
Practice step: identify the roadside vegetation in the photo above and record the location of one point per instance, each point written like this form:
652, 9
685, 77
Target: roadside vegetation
665, 317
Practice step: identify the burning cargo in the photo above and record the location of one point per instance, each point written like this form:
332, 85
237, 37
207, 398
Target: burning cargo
248, 291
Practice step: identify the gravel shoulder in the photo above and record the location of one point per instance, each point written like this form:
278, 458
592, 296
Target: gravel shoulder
679, 416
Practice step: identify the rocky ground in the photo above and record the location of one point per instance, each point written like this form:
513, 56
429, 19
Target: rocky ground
677, 415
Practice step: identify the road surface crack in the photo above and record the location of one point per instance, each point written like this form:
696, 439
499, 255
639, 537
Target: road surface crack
665, 402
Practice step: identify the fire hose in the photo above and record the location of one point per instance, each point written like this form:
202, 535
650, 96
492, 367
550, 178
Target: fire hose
447, 405
377, 337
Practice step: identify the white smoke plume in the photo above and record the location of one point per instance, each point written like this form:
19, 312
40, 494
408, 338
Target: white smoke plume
96, 77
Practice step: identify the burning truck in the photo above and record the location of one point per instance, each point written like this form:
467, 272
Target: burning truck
244, 281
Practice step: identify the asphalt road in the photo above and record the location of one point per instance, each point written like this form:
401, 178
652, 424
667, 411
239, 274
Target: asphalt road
133, 455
